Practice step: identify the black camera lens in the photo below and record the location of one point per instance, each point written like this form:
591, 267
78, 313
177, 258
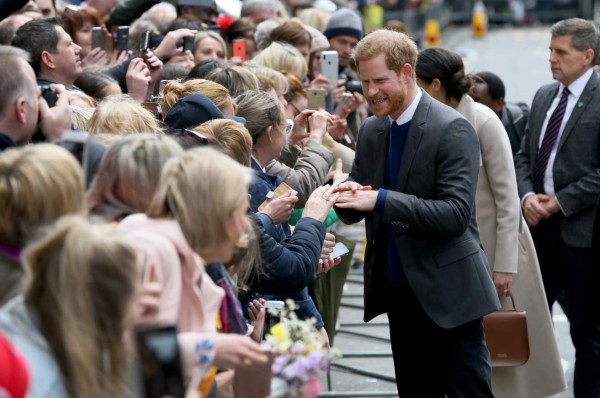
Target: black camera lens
354, 86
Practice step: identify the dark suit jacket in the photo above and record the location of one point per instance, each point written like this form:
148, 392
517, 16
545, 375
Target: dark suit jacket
432, 213
576, 169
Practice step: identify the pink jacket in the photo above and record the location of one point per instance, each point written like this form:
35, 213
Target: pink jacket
189, 297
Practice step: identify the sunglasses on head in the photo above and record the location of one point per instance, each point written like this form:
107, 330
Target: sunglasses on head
200, 139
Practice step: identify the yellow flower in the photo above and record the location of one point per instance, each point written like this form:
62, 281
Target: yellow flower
281, 333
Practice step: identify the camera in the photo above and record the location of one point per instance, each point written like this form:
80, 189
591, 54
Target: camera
49, 94
354, 86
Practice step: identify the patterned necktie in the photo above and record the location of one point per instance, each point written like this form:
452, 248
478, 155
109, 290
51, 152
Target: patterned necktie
549, 141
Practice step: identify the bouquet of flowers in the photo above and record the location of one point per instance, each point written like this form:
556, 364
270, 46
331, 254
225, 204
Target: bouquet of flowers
300, 355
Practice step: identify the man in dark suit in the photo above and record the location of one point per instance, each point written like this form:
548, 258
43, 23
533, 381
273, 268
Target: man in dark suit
558, 173
414, 180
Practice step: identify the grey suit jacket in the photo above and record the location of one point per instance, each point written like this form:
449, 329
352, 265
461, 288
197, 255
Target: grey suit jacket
432, 213
576, 169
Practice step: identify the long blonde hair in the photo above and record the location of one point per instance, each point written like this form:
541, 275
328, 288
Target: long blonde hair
130, 171
283, 57
174, 91
38, 184
201, 190
83, 283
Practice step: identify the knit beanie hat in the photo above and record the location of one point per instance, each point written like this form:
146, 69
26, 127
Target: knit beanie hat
344, 21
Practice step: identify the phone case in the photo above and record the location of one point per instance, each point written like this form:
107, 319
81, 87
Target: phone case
239, 49
329, 67
123, 39
97, 38
339, 250
188, 44
345, 102
316, 98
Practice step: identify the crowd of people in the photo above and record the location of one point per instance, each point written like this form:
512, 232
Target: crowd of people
154, 172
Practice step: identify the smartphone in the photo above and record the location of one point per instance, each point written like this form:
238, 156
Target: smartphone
329, 67
281, 190
97, 37
122, 39
145, 40
160, 360
239, 48
77, 143
49, 94
273, 315
339, 250
316, 98
345, 102
188, 44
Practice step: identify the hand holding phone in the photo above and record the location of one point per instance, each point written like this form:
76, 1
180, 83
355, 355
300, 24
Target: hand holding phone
281, 190
339, 250
344, 106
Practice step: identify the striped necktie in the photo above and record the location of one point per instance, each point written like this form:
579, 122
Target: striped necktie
549, 142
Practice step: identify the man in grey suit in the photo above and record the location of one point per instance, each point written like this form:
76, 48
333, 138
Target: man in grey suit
413, 180
558, 173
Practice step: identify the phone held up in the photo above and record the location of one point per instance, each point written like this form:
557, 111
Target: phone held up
273, 315
239, 48
122, 39
316, 98
97, 37
329, 67
160, 361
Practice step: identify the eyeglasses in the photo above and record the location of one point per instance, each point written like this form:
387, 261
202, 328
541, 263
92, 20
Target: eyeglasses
289, 126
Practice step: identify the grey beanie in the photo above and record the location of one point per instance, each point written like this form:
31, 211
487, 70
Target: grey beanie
344, 21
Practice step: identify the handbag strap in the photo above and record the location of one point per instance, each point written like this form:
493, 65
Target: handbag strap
512, 299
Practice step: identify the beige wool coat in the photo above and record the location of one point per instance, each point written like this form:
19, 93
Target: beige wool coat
509, 248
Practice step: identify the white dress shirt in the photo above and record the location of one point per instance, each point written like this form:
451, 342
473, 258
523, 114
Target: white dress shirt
575, 88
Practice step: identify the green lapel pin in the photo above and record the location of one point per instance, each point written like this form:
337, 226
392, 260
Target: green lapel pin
579, 104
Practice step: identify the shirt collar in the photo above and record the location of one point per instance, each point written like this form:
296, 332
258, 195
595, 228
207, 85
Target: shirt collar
576, 88
6, 142
408, 114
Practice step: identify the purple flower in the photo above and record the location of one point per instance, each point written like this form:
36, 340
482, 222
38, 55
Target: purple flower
279, 363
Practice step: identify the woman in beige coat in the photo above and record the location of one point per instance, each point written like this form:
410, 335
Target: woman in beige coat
504, 235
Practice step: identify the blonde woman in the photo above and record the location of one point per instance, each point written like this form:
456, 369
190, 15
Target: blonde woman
121, 114
283, 57
38, 184
219, 95
232, 137
209, 45
70, 323
128, 175
197, 215
271, 81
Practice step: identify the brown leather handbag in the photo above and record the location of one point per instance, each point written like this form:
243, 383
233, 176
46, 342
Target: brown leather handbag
506, 336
